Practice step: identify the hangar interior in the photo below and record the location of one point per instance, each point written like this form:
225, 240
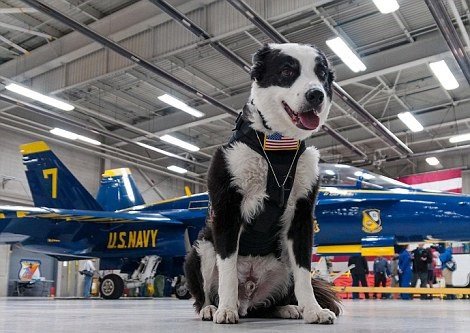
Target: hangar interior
116, 102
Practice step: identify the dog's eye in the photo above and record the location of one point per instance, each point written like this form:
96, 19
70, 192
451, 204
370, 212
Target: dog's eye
287, 72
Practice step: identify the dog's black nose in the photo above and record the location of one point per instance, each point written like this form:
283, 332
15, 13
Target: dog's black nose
314, 97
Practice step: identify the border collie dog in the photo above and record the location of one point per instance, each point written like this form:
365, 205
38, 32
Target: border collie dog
253, 257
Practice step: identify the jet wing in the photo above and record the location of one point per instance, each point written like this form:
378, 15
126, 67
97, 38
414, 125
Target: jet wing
84, 216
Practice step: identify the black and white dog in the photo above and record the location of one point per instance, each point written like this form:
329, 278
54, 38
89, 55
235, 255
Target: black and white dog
253, 258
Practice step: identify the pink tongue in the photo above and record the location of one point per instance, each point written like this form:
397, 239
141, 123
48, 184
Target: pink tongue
309, 119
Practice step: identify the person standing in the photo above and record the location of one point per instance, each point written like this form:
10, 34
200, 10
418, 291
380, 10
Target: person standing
88, 272
448, 267
404, 270
381, 273
395, 281
358, 273
421, 259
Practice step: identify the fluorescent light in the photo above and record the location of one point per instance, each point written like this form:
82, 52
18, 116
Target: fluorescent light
64, 133
73, 136
176, 169
460, 138
158, 150
168, 99
89, 140
432, 160
330, 172
343, 51
410, 121
179, 143
386, 6
444, 75
39, 97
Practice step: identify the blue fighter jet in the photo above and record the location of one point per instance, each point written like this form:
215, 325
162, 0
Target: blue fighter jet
358, 212
69, 224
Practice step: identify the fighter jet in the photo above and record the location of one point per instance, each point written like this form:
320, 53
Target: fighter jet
358, 212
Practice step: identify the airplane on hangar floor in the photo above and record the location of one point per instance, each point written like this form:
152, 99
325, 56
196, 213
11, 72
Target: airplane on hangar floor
357, 212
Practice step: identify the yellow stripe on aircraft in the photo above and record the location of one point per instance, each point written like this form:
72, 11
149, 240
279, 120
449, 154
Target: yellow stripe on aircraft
21, 214
356, 248
116, 172
378, 251
2, 216
34, 147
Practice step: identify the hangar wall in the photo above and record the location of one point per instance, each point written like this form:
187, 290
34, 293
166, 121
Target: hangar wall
84, 166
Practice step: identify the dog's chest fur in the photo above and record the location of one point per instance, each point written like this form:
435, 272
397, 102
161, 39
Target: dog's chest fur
249, 171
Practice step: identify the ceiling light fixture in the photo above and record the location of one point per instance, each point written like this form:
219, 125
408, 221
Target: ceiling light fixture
177, 169
444, 75
410, 121
179, 143
64, 133
386, 6
460, 138
432, 161
39, 97
342, 50
89, 140
158, 150
168, 99
73, 136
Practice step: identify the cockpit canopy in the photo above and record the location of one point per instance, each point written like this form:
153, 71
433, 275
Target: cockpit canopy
342, 175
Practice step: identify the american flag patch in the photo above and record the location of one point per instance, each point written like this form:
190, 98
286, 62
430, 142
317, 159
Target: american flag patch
278, 142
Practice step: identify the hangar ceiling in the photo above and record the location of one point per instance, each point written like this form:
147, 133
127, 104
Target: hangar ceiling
116, 100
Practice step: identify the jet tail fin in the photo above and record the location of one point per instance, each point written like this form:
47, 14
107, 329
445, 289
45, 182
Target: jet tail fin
118, 190
52, 185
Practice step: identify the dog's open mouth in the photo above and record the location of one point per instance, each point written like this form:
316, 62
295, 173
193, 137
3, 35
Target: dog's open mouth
308, 120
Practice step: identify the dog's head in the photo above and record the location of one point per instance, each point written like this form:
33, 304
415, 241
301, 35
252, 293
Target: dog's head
292, 89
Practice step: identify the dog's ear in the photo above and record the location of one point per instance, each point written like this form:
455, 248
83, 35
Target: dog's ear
259, 60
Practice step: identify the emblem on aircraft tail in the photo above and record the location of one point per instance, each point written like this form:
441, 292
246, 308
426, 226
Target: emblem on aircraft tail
316, 226
371, 222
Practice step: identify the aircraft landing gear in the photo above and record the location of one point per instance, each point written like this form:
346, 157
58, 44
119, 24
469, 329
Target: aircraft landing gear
112, 286
180, 288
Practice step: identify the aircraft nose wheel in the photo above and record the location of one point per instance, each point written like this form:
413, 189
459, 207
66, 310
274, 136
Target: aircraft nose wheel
112, 286
181, 290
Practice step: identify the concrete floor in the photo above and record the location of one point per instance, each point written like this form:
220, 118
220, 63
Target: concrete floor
172, 315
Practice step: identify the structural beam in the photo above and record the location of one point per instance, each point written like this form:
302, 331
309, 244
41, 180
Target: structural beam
126, 53
222, 49
201, 33
80, 125
444, 23
26, 31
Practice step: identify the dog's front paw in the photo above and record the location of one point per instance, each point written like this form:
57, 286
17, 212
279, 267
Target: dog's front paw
319, 316
226, 316
207, 313
288, 312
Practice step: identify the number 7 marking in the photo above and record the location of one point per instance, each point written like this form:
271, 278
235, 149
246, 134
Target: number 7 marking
51, 172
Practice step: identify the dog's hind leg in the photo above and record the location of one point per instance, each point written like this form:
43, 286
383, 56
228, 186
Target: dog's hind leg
299, 246
206, 252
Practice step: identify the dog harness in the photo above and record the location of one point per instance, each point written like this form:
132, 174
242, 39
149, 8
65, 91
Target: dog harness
261, 236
